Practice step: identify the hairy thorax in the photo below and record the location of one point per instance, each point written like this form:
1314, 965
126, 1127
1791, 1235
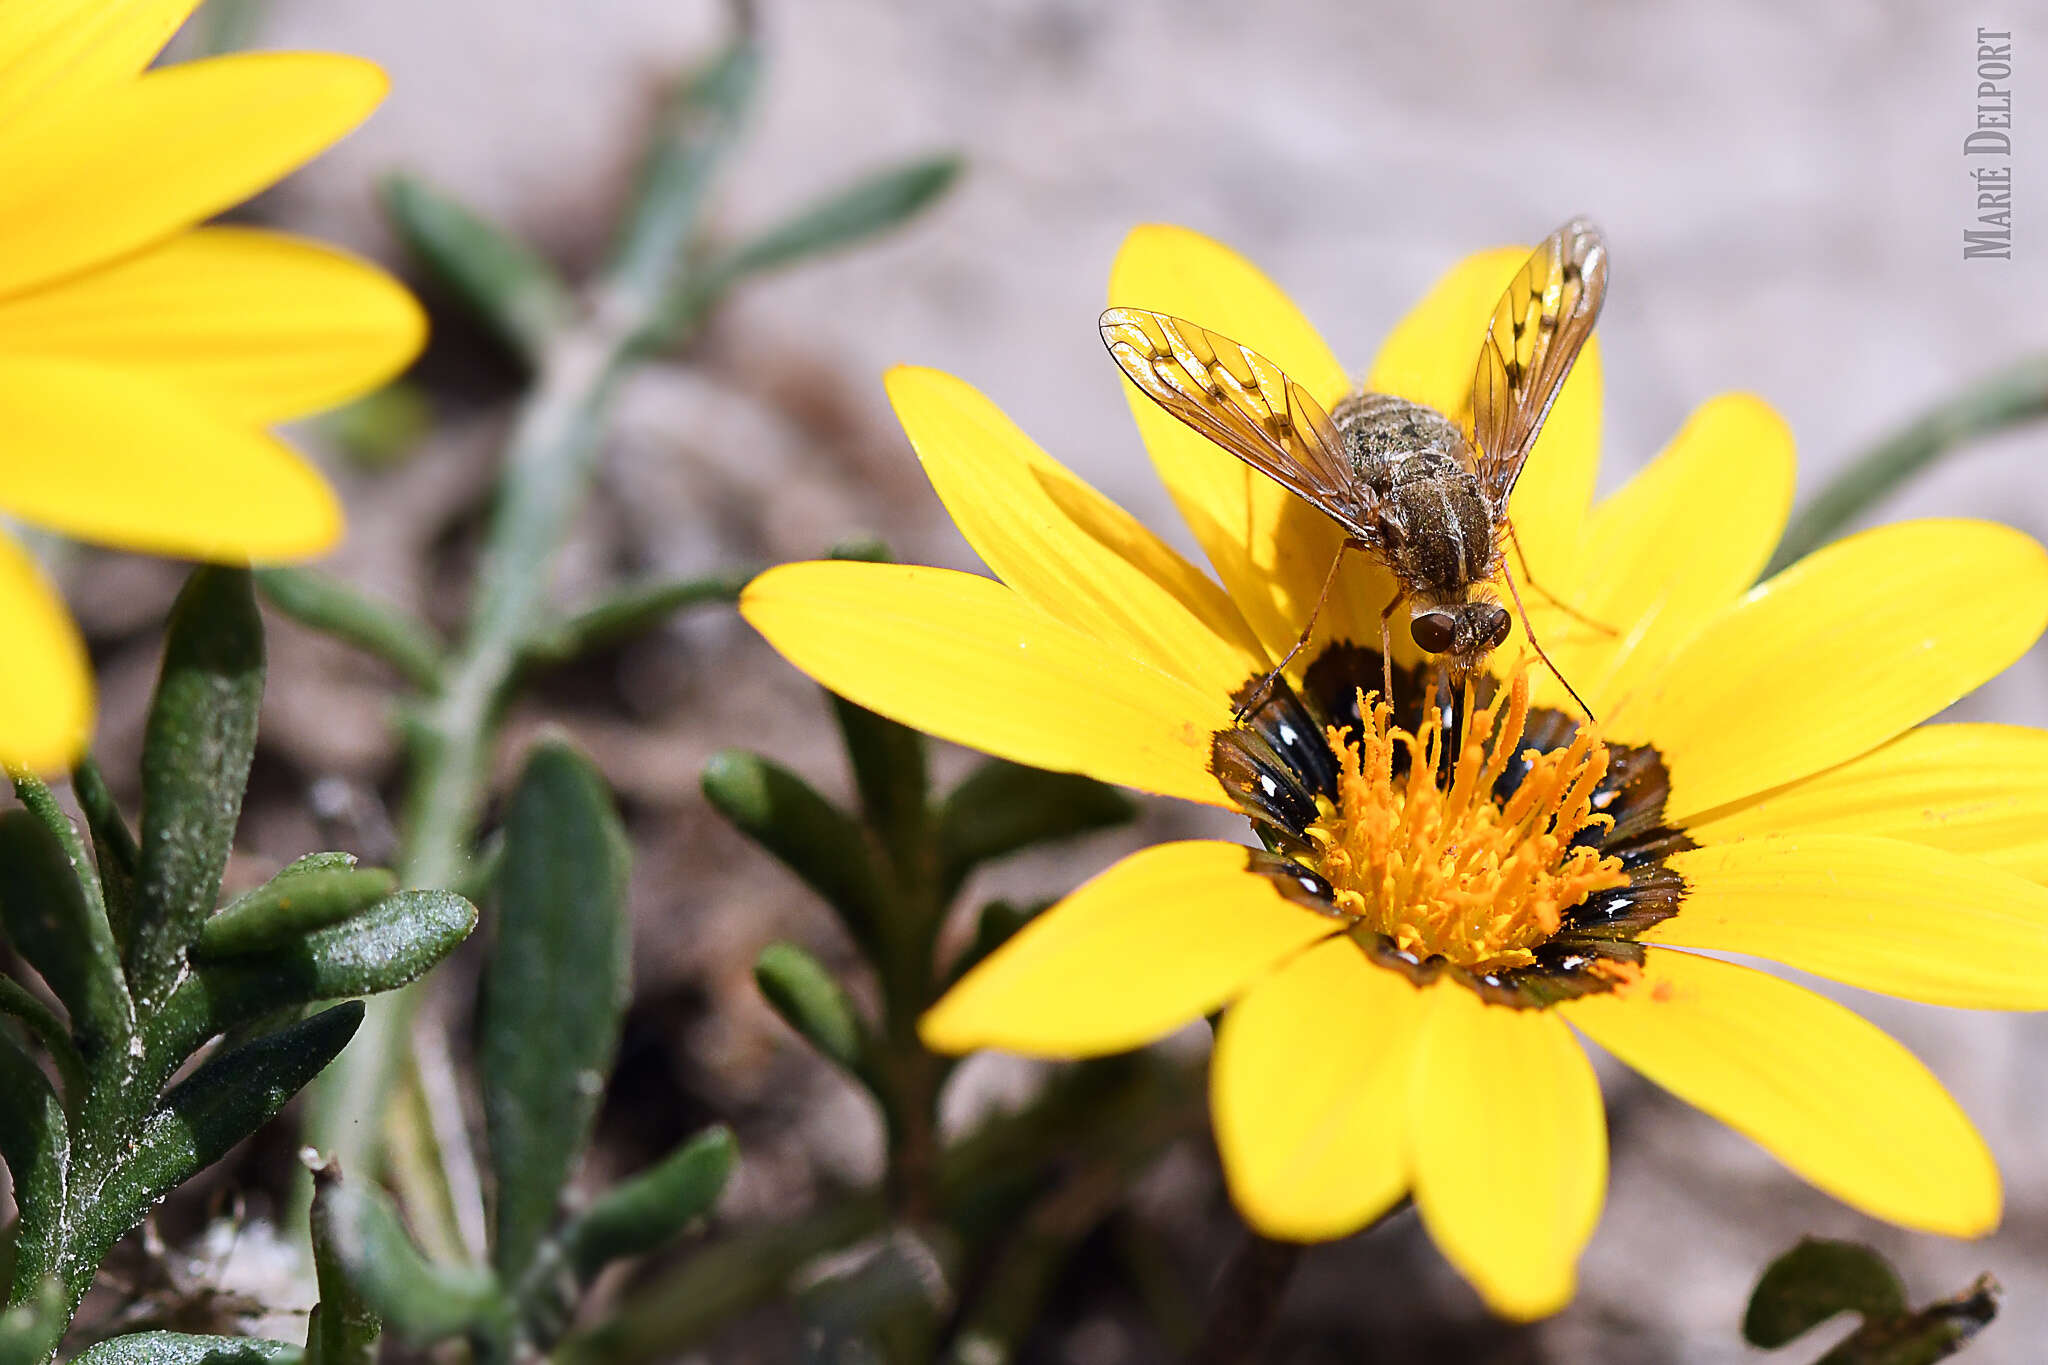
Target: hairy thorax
1413, 459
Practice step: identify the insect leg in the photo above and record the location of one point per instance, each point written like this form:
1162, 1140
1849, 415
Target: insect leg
1530, 631
1567, 608
1257, 696
1387, 646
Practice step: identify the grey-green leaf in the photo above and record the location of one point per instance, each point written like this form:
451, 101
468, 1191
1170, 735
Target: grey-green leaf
873, 204
196, 750
62, 936
420, 1300
41, 802
177, 1348
1003, 807
502, 280
113, 847
35, 1140
230, 1096
308, 895
644, 1213
555, 990
811, 1001
1813, 1282
343, 1328
632, 611
814, 838
321, 602
696, 130
392, 943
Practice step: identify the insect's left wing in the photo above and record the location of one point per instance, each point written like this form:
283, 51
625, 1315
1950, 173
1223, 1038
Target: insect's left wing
1538, 328
1241, 401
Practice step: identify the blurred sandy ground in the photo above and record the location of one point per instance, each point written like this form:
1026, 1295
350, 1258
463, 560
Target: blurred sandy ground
1785, 193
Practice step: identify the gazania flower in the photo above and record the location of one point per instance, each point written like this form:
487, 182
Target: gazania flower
1409, 961
141, 358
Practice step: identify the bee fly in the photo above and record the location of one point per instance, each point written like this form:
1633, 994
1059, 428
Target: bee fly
1424, 495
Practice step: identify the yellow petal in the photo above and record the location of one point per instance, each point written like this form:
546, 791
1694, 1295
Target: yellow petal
96, 180
1678, 543
966, 659
1834, 656
46, 688
56, 51
1977, 790
1430, 357
123, 459
1269, 547
1816, 1086
1064, 547
1509, 1148
1158, 941
1308, 1086
1888, 916
258, 326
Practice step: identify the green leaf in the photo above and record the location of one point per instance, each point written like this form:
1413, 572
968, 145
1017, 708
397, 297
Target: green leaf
555, 990
420, 1300
502, 280
380, 430
811, 1001
42, 803
651, 1209
324, 603
1005, 807
816, 840
891, 767
48, 1029
631, 612
1813, 1282
871, 205
392, 943
343, 1329
695, 132
2010, 398
230, 1096
33, 1325
113, 847
176, 1348
62, 936
310, 894
196, 750
35, 1140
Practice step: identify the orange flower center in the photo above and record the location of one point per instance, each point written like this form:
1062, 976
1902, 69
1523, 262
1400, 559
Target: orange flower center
1449, 870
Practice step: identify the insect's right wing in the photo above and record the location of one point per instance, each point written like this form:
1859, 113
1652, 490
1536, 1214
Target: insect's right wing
1244, 403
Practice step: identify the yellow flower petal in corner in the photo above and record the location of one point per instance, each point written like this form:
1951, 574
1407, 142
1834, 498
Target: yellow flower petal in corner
1064, 547
125, 460
1825, 1092
1680, 541
1156, 942
1309, 1087
1509, 1148
257, 325
1269, 547
64, 50
1900, 918
1978, 790
46, 688
1834, 656
92, 181
966, 659
1430, 358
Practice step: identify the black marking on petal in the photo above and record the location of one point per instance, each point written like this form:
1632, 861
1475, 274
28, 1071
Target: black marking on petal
1264, 787
1302, 885
1294, 736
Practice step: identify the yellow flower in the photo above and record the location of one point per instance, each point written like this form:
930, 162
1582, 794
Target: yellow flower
141, 357
1407, 967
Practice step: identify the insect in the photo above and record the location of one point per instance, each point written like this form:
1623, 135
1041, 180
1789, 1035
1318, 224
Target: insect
1424, 494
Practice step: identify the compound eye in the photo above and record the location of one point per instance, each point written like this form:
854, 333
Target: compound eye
1433, 631
1498, 623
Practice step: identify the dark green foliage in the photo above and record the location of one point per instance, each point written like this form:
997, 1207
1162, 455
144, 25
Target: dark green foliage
1003, 808
177, 1348
653, 1208
811, 1001
502, 280
813, 838
1817, 1280
117, 936
554, 992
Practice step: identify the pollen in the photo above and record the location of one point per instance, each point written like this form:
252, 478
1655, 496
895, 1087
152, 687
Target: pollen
1448, 869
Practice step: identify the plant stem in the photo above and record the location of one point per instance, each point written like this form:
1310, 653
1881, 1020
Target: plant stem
2008, 398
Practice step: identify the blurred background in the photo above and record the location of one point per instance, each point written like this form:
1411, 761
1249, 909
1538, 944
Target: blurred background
1784, 189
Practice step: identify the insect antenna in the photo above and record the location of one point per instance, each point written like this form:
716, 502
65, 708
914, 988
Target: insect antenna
1529, 630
